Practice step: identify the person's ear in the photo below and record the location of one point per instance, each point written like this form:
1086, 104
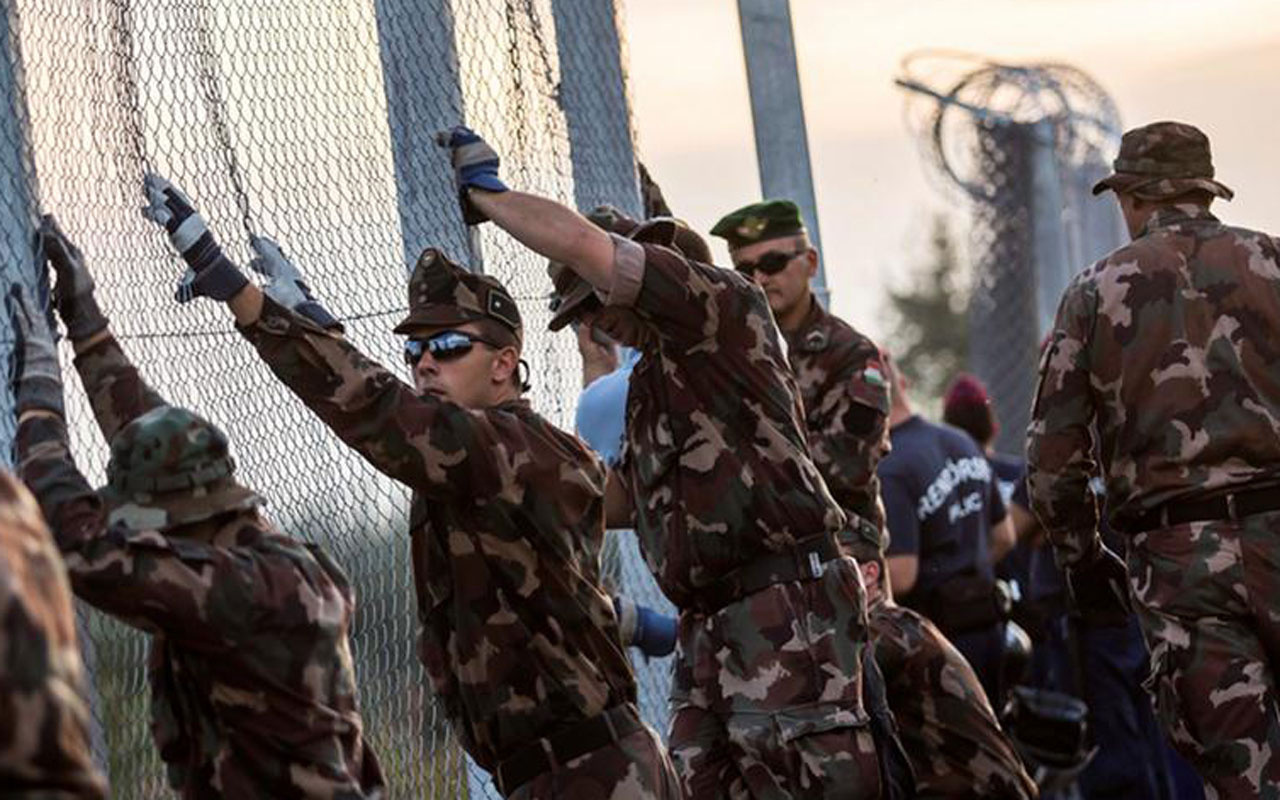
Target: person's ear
505, 362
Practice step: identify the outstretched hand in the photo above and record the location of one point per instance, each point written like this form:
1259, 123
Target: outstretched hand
209, 272
73, 295
475, 166
35, 375
285, 283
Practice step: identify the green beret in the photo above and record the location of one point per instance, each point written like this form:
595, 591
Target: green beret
759, 222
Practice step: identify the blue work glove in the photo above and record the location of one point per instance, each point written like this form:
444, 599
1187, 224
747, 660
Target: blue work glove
36, 377
209, 272
475, 166
286, 285
1098, 588
642, 627
73, 295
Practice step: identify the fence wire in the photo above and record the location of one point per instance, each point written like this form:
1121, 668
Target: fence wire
1024, 143
310, 121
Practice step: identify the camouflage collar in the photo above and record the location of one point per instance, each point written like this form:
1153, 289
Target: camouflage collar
1180, 214
814, 317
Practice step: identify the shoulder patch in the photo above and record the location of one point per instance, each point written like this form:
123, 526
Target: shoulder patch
873, 374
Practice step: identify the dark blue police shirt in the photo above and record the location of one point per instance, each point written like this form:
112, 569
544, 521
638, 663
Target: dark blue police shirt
941, 499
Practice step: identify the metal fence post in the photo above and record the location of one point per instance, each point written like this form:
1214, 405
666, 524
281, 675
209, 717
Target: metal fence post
593, 94
418, 62
777, 112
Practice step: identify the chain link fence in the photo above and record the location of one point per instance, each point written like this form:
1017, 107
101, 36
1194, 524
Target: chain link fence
310, 121
1024, 145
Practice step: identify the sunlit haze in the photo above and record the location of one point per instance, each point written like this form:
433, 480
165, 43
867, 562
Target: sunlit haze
1211, 64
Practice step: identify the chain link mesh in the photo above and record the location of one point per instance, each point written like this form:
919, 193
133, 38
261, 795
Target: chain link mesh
1024, 143
310, 121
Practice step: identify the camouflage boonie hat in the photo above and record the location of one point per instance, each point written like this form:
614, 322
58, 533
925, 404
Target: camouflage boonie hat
759, 222
571, 291
1163, 160
170, 467
441, 294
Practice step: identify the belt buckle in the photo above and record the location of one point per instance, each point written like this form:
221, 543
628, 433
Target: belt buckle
815, 565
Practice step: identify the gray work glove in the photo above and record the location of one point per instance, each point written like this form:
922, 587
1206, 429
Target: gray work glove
475, 166
35, 375
209, 272
73, 296
286, 285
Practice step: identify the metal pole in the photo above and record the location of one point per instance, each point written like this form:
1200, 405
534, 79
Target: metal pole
593, 95
1049, 241
777, 111
424, 95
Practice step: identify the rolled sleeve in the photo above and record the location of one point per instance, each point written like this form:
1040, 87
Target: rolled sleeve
628, 272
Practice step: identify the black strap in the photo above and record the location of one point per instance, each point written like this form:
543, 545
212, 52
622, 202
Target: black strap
560, 748
1229, 506
801, 563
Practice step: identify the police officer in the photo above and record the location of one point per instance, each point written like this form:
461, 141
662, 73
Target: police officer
947, 528
253, 690
1164, 352
44, 739
519, 639
734, 518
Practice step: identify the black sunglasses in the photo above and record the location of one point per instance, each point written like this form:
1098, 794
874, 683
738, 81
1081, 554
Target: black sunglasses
444, 346
769, 263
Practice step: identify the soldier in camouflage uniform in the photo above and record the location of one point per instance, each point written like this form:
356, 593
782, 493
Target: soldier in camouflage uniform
1166, 352
946, 723
731, 512
839, 370
252, 686
518, 637
44, 720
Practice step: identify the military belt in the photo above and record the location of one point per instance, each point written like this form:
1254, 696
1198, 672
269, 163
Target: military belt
575, 741
1230, 506
804, 562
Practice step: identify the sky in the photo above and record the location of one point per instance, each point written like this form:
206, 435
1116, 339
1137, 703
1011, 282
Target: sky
1212, 64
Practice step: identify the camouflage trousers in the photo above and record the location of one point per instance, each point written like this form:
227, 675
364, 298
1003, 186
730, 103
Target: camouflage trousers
636, 767
767, 694
1209, 601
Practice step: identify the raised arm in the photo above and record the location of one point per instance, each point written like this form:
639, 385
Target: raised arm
434, 446
116, 390
544, 226
143, 578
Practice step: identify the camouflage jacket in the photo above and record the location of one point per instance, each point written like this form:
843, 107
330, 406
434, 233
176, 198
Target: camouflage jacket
944, 719
846, 405
716, 457
44, 739
1167, 351
518, 636
252, 685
